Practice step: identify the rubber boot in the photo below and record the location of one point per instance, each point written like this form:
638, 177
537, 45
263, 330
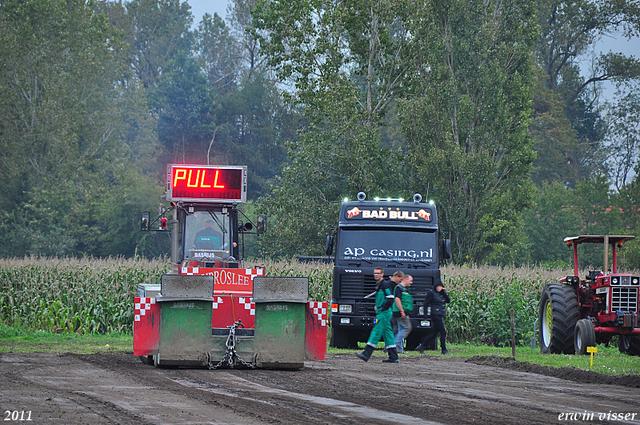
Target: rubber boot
366, 354
393, 356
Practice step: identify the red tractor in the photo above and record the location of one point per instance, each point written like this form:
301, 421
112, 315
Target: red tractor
578, 313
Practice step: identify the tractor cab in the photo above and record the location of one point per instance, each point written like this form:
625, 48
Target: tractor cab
209, 237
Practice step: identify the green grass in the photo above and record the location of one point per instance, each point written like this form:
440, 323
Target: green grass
14, 340
608, 360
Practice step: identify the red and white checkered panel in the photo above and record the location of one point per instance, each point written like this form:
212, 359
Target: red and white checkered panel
146, 326
319, 309
227, 309
316, 330
141, 306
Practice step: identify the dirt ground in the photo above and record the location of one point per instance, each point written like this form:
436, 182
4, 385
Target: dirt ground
119, 389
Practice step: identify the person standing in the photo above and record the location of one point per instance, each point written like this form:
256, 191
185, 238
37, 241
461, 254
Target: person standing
382, 328
437, 299
395, 281
402, 308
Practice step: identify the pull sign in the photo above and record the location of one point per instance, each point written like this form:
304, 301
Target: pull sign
204, 183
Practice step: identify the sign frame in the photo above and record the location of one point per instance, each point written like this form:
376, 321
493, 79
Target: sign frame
241, 192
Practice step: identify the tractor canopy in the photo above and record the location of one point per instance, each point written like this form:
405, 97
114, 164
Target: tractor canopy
606, 240
613, 239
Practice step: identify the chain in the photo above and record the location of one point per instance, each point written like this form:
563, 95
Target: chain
231, 358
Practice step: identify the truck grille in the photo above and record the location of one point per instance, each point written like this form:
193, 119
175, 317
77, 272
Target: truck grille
421, 285
356, 286
624, 299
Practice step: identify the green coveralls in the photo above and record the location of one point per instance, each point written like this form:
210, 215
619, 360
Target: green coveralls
382, 328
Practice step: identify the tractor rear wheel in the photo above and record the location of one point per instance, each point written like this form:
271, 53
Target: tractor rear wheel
629, 344
557, 319
585, 336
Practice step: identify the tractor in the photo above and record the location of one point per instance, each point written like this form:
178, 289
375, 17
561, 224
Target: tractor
579, 313
211, 311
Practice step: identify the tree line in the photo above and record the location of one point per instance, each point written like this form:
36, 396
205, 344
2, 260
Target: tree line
480, 106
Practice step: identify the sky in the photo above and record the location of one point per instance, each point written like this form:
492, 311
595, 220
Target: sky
200, 7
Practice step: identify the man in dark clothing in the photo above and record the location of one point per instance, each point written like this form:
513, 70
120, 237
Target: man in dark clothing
437, 299
382, 328
209, 237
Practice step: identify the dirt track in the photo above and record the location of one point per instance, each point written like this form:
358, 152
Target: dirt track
119, 389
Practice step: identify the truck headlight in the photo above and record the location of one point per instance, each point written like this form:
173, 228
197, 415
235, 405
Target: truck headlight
425, 323
345, 320
346, 308
421, 310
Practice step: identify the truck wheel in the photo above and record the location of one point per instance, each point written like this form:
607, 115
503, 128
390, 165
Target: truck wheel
585, 336
413, 340
557, 318
339, 339
629, 344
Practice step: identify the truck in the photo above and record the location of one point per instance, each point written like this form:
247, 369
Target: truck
206, 311
579, 312
393, 234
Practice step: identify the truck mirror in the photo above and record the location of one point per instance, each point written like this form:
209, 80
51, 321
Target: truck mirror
261, 226
144, 221
446, 249
329, 246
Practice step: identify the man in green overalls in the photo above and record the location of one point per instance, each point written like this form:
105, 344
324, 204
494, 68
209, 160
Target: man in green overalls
382, 328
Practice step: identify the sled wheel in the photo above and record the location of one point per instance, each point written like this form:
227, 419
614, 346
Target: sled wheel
146, 359
557, 319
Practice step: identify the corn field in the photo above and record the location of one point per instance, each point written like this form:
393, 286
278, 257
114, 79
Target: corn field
96, 295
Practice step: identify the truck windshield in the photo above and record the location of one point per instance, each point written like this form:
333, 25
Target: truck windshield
207, 235
387, 245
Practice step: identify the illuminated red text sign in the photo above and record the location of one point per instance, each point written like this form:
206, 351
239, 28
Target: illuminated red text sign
201, 183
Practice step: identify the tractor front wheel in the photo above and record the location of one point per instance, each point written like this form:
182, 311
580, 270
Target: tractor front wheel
557, 319
629, 344
585, 336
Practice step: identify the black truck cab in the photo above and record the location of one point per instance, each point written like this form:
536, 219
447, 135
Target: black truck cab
387, 233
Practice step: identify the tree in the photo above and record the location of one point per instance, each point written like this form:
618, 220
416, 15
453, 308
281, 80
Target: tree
567, 32
184, 104
155, 30
548, 221
217, 53
249, 55
568, 28
345, 64
555, 137
70, 135
466, 121
256, 125
623, 138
